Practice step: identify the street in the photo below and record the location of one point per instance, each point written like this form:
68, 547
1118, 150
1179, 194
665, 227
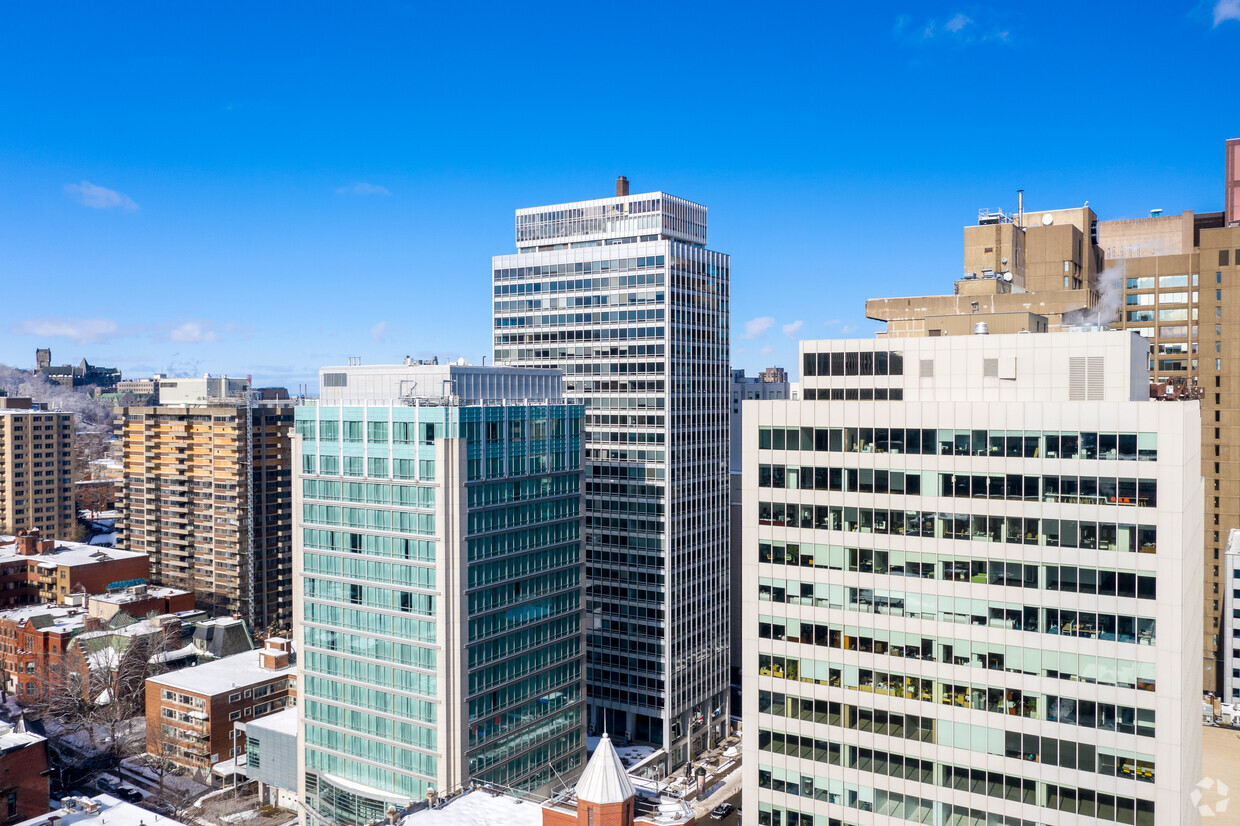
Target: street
730, 820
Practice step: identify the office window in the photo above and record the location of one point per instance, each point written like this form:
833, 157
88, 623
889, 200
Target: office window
1224, 257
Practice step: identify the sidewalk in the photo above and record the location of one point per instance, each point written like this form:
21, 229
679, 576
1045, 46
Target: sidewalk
723, 776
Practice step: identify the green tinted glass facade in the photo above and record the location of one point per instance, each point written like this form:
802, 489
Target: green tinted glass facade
441, 599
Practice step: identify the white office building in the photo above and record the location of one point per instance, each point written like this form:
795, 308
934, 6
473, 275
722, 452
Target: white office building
972, 574
622, 294
1231, 619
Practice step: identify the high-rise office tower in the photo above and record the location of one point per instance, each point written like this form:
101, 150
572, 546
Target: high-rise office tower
973, 584
206, 493
36, 469
622, 294
439, 585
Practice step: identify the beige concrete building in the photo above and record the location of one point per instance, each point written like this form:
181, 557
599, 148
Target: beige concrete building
36, 469
1171, 278
1022, 272
206, 492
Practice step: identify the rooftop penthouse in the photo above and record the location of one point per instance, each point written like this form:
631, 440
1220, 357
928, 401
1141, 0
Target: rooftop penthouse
604, 221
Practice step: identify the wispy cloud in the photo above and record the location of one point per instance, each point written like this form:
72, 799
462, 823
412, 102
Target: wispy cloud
756, 327
792, 329
363, 188
1225, 10
99, 197
833, 322
195, 331
377, 332
848, 328
959, 28
958, 22
79, 330
767, 350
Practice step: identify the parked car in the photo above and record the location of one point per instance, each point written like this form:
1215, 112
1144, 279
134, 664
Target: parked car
161, 807
106, 784
130, 794
721, 811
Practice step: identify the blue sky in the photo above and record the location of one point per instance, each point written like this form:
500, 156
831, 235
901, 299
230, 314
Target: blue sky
268, 187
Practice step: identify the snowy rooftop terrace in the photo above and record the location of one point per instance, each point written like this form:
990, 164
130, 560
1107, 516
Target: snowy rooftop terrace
102, 808
219, 676
66, 553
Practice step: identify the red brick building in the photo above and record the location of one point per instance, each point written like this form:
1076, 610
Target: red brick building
34, 569
190, 713
40, 645
95, 494
34, 641
24, 771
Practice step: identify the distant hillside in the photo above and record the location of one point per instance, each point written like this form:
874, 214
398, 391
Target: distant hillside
89, 413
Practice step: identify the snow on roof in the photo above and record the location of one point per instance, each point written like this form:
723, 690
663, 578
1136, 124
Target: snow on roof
129, 595
11, 738
479, 808
605, 780
63, 618
141, 628
282, 722
66, 553
107, 809
223, 675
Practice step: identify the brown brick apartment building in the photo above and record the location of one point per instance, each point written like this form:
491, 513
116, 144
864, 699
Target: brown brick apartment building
36, 468
190, 713
207, 493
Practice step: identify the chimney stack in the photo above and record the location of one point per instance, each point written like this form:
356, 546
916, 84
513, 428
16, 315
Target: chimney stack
622, 186
28, 542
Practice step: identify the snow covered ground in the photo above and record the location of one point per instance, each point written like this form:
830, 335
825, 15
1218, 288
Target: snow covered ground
629, 755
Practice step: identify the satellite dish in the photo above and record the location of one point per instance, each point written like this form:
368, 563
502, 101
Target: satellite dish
1003, 261
1007, 276
1048, 219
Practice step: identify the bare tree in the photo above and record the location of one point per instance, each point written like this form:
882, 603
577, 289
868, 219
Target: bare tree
118, 688
58, 696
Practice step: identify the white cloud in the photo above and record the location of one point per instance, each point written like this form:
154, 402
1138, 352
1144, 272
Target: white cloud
833, 322
99, 197
363, 188
847, 328
80, 330
1225, 10
959, 28
758, 326
767, 350
958, 22
194, 331
792, 329
377, 331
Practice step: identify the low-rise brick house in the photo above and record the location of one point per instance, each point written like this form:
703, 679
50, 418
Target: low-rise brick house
24, 770
34, 642
37, 569
42, 645
190, 713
